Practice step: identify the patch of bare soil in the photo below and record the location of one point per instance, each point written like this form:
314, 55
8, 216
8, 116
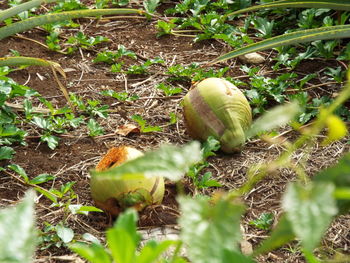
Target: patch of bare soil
77, 153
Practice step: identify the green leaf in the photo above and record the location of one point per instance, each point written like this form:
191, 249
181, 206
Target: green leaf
209, 230
264, 221
91, 238
17, 231
64, 233
47, 194
83, 209
51, 140
236, 257
151, 5
41, 178
210, 146
153, 250
123, 239
338, 175
310, 210
128, 221
94, 253
276, 117
94, 128
301, 36
18, 169
282, 234
41, 122
6, 153
169, 161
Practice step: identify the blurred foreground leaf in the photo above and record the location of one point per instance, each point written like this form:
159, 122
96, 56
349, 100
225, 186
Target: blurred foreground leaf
310, 209
276, 117
338, 175
210, 231
169, 161
17, 231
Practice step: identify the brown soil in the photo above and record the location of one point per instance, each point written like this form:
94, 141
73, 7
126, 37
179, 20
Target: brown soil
77, 153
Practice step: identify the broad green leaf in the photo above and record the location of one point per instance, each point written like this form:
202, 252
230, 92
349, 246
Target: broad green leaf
331, 4
235, 257
66, 234
41, 178
123, 239
209, 230
17, 231
7, 13
169, 161
151, 5
51, 140
6, 153
276, 117
336, 129
338, 175
282, 234
153, 250
121, 245
94, 253
32, 22
91, 238
18, 169
128, 221
310, 257
309, 209
331, 32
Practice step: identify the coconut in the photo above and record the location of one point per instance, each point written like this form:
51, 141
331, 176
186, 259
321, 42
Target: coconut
215, 107
115, 194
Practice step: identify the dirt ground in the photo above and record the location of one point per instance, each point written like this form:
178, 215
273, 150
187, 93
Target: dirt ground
77, 153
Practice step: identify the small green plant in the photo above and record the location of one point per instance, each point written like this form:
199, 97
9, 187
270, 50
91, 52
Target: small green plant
92, 108
193, 72
72, 44
264, 221
111, 57
95, 129
144, 127
121, 96
143, 68
169, 90
173, 117
54, 235
203, 181
41, 178
326, 32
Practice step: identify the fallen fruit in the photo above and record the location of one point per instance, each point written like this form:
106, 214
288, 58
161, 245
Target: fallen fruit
215, 107
115, 194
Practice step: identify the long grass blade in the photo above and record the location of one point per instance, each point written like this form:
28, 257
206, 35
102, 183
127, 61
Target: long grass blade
7, 13
331, 4
332, 32
30, 61
56, 17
